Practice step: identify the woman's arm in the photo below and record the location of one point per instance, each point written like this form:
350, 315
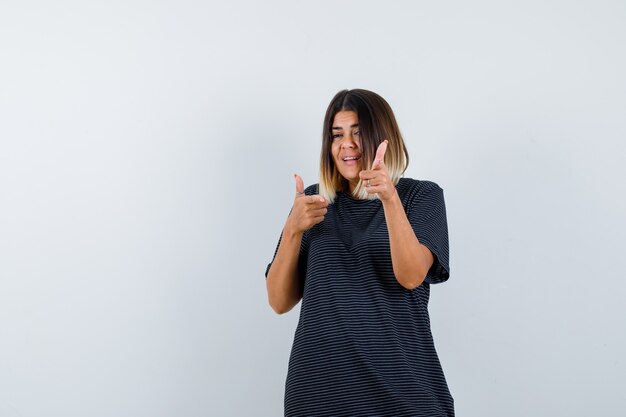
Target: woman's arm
283, 282
410, 259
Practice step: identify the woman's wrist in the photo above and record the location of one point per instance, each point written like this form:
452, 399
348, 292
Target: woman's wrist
290, 232
393, 199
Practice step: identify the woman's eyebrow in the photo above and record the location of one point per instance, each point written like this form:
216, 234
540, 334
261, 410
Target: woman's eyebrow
341, 128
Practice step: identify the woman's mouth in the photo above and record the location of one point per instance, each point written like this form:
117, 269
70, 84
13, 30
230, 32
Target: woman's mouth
351, 160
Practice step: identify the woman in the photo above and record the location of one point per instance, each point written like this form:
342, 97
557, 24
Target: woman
361, 250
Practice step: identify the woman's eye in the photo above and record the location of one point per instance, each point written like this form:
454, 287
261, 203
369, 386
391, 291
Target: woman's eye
357, 133
336, 136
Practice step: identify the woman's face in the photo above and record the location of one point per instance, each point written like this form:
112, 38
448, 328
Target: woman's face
346, 146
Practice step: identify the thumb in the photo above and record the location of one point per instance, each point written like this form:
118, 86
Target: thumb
299, 185
379, 159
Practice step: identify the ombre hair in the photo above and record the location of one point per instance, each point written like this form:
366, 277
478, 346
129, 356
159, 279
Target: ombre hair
376, 123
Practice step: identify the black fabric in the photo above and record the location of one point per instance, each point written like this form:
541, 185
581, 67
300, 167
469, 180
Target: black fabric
363, 345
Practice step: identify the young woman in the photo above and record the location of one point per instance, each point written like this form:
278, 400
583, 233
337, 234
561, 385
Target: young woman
361, 250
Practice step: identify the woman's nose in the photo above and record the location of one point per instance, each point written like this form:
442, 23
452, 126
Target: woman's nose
348, 142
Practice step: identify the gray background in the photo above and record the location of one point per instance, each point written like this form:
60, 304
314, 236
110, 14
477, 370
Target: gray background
146, 160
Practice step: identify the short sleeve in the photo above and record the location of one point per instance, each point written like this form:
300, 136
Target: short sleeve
302, 258
426, 212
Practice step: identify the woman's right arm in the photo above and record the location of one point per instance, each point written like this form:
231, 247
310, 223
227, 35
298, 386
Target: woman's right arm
283, 283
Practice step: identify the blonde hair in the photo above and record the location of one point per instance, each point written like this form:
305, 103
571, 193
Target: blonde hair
376, 123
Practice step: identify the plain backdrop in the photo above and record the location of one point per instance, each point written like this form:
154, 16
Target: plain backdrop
146, 170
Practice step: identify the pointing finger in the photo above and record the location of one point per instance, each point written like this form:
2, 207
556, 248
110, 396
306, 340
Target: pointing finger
380, 155
299, 185
316, 200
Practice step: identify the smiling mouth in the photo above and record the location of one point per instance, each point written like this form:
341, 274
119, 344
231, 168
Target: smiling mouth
350, 158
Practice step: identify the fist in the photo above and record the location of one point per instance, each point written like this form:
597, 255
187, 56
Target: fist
307, 211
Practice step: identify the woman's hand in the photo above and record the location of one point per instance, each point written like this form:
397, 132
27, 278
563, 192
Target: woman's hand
376, 179
307, 211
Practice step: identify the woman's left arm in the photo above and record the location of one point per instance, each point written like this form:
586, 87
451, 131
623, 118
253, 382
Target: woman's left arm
410, 259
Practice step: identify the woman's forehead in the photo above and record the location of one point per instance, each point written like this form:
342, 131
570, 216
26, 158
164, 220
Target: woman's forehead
345, 118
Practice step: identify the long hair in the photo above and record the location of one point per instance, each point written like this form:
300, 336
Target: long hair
376, 123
